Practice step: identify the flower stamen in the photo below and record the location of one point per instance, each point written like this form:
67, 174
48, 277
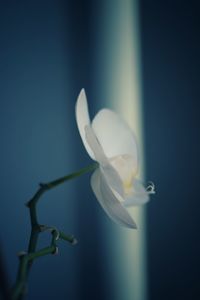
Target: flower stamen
151, 188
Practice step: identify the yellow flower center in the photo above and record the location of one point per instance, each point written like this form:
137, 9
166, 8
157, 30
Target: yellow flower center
126, 167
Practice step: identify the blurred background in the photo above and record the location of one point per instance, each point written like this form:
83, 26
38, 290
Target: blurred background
141, 59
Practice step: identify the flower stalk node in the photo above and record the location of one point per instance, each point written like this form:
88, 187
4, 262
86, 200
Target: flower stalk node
55, 252
21, 254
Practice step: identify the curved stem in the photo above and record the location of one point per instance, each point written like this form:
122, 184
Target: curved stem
27, 260
50, 185
24, 262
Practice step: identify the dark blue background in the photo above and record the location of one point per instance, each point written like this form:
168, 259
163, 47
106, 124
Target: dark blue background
46, 58
170, 56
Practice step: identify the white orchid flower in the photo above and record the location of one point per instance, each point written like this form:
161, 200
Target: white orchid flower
109, 141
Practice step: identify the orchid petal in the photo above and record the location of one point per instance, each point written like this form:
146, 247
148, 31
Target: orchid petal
83, 119
107, 169
114, 135
113, 178
95, 145
109, 202
139, 196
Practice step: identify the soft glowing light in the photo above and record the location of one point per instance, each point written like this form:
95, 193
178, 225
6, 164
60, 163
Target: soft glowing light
121, 86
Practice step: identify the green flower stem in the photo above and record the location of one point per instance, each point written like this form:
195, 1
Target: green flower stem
24, 262
43, 188
69, 239
27, 260
47, 186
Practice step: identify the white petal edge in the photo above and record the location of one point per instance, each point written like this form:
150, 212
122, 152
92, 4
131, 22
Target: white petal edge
83, 119
108, 170
114, 135
139, 196
109, 202
113, 179
95, 146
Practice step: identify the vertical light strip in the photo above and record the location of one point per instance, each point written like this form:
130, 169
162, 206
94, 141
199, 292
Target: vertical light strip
121, 87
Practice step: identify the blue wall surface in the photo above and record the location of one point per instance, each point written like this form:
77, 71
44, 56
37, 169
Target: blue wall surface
44, 64
47, 56
170, 56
